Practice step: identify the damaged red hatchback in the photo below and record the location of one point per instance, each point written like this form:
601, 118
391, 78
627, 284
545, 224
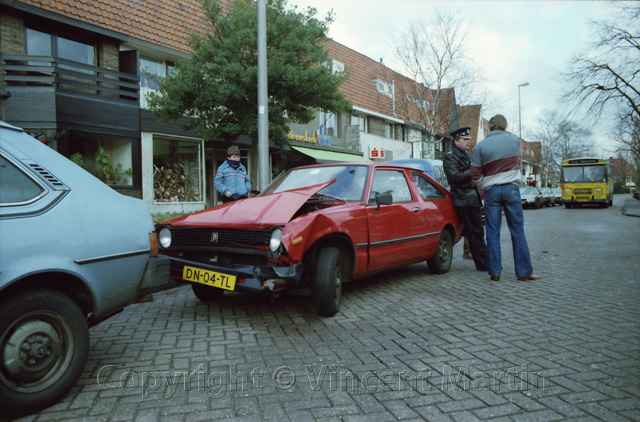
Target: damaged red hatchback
315, 227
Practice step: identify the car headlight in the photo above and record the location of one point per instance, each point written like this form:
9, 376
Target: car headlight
275, 242
567, 192
598, 191
165, 237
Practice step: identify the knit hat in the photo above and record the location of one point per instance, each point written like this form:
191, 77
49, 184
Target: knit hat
233, 150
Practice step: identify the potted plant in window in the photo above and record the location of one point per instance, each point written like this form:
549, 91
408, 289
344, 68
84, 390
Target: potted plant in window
107, 172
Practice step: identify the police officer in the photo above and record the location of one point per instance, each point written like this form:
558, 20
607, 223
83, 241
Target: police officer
466, 197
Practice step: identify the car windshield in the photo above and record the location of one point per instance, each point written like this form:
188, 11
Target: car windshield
349, 186
528, 191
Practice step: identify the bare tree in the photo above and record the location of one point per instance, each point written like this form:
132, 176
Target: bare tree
432, 55
574, 141
605, 77
549, 138
561, 139
627, 136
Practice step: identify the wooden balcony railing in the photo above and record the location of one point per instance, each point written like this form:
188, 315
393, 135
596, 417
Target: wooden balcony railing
25, 73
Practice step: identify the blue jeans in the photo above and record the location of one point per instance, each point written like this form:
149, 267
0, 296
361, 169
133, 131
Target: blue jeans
506, 197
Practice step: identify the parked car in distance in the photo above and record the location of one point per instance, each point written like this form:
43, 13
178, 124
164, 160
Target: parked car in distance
72, 253
433, 168
549, 198
557, 193
531, 197
315, 228
636, 195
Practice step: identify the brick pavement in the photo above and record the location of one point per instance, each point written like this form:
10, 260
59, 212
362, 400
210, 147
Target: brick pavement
407, 345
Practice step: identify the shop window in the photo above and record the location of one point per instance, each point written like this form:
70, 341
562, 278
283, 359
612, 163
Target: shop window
177, 170
109, 159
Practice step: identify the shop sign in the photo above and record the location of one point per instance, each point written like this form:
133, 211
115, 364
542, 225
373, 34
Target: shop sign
301, 138
317, 138
376, 153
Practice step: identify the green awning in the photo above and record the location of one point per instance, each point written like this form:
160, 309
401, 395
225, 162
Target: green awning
324, 156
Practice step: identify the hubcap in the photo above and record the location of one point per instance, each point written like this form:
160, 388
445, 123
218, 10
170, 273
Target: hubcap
444, 252
36, 353
338, 283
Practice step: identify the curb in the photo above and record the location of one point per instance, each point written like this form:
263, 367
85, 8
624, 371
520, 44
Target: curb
631, 208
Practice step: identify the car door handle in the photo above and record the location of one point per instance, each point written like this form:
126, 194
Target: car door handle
416, 210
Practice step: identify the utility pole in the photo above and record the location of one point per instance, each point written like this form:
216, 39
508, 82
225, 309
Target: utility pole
263, 105
520, 128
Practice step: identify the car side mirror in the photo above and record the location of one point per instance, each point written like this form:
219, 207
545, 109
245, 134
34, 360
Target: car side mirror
383, 199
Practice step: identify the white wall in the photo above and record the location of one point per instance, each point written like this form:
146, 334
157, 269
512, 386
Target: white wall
400, 149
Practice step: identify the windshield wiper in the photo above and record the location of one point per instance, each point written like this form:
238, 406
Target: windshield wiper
318, 195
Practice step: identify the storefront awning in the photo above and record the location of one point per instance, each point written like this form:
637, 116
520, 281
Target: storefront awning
324, 156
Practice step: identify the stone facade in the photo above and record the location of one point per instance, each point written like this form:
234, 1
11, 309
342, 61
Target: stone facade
12, 41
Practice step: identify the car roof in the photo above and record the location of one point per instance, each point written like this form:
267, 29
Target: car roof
363, 164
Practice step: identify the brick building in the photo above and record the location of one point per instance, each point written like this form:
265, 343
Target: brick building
76, 72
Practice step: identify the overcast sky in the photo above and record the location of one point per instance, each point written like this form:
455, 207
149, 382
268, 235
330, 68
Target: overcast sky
512, 42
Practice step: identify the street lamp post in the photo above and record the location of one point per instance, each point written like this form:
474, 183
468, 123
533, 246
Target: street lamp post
520, 127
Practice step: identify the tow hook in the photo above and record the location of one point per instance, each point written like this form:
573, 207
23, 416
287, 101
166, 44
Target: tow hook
274, 284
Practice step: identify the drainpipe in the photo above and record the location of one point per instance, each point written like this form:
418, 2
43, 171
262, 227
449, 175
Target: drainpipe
393, 98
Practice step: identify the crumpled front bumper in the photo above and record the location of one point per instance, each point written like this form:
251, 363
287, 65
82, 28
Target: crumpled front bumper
250, 277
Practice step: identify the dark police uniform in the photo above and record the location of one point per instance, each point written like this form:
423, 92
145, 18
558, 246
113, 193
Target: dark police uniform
466, 198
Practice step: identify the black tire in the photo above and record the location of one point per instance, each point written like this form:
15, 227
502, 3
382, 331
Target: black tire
44, 344
330, 274
440, 262
206, 293
567, 206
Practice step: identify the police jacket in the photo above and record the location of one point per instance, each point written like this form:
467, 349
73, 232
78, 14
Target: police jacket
456, 166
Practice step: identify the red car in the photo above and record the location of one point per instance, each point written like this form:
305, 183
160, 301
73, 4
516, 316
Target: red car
315, 227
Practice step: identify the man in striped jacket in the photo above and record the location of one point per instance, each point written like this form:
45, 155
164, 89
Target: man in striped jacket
495, 168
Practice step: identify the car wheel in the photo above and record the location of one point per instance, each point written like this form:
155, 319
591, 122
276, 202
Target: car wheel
206, 293
441, 261
44, 344
330, 274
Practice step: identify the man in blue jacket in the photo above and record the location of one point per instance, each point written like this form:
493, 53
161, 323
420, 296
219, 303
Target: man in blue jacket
232, 181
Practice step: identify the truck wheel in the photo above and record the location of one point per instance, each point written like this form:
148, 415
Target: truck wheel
330, 273
206, 293
44, 344
441, 261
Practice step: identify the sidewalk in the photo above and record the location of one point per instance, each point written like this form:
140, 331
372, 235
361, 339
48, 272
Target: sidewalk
631, 208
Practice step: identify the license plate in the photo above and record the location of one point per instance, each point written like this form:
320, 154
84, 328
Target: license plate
210, 278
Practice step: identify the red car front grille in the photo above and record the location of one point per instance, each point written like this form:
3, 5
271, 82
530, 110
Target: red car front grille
199, 237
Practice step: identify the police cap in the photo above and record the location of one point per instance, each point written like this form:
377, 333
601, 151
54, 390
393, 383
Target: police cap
463, 132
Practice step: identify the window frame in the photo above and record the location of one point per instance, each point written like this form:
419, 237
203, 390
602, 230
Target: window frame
54, 48
44, 189
438, 193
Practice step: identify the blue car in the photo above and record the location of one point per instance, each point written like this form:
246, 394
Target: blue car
72, 253
433, 168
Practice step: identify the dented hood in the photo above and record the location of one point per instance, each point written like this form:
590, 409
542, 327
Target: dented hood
261, 211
